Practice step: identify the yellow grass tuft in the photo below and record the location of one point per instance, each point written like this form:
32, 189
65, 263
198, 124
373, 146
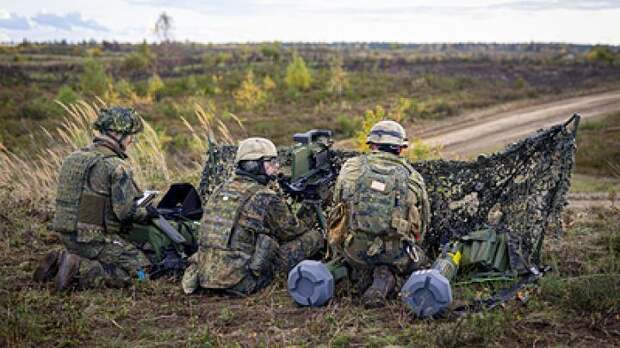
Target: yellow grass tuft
33, 178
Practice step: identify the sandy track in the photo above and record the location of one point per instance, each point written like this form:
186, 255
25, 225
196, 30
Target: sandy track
585, 204
479, 132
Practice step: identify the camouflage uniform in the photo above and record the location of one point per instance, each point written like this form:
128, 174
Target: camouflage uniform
363, 248
247, 233
97, 215
384, 213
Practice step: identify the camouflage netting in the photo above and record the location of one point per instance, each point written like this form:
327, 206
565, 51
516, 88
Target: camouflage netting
218, 167
520, 191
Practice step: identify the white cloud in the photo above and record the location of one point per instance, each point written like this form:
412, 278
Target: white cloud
13, 21
69, 21
580, 21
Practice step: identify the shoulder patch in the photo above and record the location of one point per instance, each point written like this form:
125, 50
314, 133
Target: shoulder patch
377, 186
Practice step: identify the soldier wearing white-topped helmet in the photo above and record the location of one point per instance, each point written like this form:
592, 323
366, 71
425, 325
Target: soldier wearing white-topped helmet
248, 231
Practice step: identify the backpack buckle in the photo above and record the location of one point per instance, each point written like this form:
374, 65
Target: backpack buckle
412, 252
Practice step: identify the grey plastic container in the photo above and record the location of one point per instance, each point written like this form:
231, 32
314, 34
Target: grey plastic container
427, 292
310, 283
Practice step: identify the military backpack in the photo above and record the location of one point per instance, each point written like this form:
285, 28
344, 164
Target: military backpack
379, 206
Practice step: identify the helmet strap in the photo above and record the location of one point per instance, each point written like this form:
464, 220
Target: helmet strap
118, 141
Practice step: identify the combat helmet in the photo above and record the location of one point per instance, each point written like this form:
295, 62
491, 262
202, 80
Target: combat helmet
388, 133
252, 149
123, 121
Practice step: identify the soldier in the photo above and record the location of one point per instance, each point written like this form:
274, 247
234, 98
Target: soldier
381, 215
248, 232
98, 217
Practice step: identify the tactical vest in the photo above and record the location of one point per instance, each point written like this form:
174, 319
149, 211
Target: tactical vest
77, 205
379, 205
229, 262
222, 213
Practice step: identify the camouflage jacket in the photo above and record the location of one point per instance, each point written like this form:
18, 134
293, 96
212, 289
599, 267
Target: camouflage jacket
106, 202
411, 211
236, 214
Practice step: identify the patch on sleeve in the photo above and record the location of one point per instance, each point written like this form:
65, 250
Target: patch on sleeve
377, 186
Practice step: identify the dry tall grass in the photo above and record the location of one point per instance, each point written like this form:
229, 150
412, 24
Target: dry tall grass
32, 179
209, 128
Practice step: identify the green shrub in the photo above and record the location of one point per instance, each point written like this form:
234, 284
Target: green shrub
431, 109
420, 151
446, 83
134, 63
417, 150
588, 293
155, 85
94, 81
403, 109
297, 74
602, 54
370, 118
191, 86
338, 81
139, 62
348, 125
39, 109
249, 94
521, 83
269, 84
219, 59
598, 151
272, 51
94, 52
124, 89
66, 95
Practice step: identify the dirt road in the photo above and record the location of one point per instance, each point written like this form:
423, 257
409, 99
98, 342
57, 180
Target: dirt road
489, 130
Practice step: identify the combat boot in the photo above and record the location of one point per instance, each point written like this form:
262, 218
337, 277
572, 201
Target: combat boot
48, 267
67, 271
383, 284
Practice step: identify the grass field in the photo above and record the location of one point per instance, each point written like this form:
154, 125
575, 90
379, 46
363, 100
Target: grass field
577, 304
339, 83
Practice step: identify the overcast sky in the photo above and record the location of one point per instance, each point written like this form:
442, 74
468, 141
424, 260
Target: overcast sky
576, 21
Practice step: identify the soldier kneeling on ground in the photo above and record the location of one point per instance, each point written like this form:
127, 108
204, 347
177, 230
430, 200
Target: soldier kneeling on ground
381, 215
248, 232
109, 239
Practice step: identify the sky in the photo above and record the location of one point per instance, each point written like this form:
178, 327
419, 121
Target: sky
416, 21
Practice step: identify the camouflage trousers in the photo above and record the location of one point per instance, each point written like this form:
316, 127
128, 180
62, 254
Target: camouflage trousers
283, 259
362, 255
115, 260
289, 255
